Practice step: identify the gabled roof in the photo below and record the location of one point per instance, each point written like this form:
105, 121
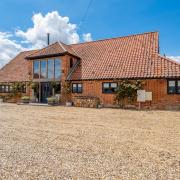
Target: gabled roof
135, 56
16, 70
56, 49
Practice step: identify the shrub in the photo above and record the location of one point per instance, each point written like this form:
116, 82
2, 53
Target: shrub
127, 90
52, 100
26, 98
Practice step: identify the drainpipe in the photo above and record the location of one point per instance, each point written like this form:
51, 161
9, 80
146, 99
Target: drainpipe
48, 39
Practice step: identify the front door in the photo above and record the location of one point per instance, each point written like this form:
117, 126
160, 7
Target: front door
46, 91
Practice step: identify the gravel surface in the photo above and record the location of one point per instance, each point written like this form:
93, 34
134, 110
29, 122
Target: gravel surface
77, 143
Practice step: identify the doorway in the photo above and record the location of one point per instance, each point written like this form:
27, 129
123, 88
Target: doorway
46, 91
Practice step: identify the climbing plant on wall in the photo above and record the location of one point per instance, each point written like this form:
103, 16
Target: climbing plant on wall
127, 90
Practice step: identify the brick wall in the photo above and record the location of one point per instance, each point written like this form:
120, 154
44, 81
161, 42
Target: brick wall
161, 99
158, 87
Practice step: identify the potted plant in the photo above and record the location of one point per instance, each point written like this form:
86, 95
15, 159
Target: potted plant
52, 101
25, 99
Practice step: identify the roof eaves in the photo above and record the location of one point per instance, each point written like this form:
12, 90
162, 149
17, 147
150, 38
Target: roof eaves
170, 60
62, 46
72, 70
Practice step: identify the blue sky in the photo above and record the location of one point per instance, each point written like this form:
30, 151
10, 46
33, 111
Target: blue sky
105, 19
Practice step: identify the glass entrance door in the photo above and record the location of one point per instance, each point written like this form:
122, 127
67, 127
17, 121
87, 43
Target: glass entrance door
46, 91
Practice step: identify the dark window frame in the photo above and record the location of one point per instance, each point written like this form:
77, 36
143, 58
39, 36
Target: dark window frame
5, 89
71, 63
55, 68
77, 91
103, 89
176, 86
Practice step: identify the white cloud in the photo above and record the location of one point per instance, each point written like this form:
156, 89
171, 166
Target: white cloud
87, 37
8, 48
35, 37
59, 27
175, 58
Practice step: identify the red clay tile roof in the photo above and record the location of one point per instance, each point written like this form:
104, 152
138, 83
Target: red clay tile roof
17, 69
135, 56
53, 50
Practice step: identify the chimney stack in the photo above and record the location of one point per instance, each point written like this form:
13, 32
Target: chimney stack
48, 39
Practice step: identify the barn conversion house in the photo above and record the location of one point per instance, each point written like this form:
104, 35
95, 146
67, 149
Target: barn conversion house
93, 69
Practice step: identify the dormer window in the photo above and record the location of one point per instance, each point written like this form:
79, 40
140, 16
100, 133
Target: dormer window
71, 62
47, 69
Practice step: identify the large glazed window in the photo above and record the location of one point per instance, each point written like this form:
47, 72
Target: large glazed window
43, 69
50, 69
36, 69
47, 69
57, 63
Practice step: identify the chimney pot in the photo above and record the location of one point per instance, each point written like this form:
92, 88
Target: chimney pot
48, 39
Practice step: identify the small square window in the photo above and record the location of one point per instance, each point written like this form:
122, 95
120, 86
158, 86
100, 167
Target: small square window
109, 88
172, 87
77, 87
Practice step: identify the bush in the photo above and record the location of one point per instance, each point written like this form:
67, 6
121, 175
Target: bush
25, 99
127, 90
52, 100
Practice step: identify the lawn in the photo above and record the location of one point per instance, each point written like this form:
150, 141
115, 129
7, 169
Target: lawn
77, 143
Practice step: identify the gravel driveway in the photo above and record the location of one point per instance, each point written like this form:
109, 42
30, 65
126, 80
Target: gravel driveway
77, 143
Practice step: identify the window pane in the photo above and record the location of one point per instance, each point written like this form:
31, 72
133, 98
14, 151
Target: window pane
74, 88
36, 69
43, 69
74, 85
79, 88
172, 87
50, 69
172, 83
7, 88
79, 85
106, 85
3, 88
178, 86
57, 68
10, 88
